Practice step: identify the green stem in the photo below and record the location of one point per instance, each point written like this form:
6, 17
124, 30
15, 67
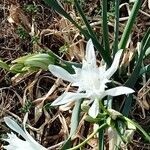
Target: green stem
129, 25
90, 136
103, 108
101, 139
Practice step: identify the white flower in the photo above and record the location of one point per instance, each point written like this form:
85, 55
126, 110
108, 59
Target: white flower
18, 144
90, 79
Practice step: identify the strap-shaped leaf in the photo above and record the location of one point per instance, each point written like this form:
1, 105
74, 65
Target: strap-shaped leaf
116, 28
105, 53
136, 72
88, 34
146, 135
105, 26
129, 25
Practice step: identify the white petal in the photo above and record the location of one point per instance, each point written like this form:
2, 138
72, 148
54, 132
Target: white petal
17, 144
90, 53
68, 97
15, 127
114, 65
13, 140
102, 70
77, 70
94, 109
119, 91
61, 73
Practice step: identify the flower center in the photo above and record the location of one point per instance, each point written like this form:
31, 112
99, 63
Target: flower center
91, 82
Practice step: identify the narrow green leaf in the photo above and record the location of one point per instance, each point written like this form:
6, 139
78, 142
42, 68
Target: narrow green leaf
75, 117
116, 27
105, 53
127, 106
105, 27
145, 69
135, 74
56, 6
146, 135
130, 23
147, 53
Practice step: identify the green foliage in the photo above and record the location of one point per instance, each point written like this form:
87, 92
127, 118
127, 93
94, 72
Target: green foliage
64, 49
4, 65
31, 8
26, 108
48, 106
22, 33
34, 39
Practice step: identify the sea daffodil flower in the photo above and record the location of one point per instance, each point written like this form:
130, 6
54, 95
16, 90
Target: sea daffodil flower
16, 143
90, 79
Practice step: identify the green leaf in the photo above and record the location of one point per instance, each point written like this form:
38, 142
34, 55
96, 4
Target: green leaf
135, 74
129, 25
116, 27
17, 68
127, 106
145, 69
147, 53
105, 27
3, 65
146, 135
105, 53
56, 6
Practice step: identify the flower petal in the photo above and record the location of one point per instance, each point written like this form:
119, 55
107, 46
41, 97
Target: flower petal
119, 91
90, 54
16, 143
61, 73
68, 97
15, 127
114, 65
94, 109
